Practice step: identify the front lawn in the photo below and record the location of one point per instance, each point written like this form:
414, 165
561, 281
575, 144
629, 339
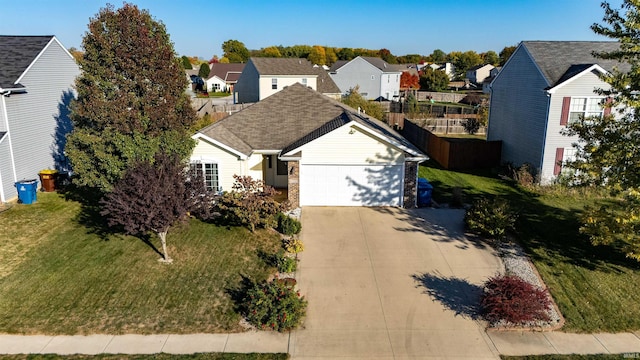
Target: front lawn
61, 274
595, 287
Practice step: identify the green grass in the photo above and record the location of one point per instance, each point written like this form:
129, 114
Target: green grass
594, 287
199, 356
69, 276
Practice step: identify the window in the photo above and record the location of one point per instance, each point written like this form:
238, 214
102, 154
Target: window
304, 81
584, 107
209, 172
274, 84
282, 167
216, 87
373, 77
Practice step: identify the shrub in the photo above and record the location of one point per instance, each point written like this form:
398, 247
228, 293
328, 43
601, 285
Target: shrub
292, 245
287, 225
490, 218
471, 126
250, 203
274, 305
510, 298
283, 263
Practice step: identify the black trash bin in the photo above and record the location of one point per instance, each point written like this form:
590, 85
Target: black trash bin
424, 192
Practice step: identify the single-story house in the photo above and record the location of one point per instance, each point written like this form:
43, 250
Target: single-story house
223, 77
321, 151
37, 77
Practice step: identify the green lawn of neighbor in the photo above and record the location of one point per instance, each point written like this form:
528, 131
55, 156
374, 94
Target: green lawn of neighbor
61, 273
572, 357
596, 288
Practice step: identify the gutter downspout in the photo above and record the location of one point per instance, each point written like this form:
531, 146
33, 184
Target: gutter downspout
6, 120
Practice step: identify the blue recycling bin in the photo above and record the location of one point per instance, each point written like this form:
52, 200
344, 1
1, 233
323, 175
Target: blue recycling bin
27, 191
425, 189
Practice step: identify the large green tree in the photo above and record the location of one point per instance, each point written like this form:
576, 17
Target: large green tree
356, 101
235, 51
433, 80
506, 53
608, 153
131, 99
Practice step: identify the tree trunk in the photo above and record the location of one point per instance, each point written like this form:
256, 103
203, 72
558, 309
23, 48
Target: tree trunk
163, 239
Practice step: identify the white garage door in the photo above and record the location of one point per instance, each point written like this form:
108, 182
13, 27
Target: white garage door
351, 185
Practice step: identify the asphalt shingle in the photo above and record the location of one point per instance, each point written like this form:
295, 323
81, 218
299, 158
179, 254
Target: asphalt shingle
557, 60
18, 52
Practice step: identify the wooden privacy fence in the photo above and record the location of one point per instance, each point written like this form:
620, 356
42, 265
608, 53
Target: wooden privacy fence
452, 125
453, 154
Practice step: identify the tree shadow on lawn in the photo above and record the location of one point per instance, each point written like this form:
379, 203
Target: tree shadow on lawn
547, 232
90, 217
457, 295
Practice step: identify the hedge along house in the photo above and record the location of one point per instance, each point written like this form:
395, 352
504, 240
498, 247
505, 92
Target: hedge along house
322, 151
36, 86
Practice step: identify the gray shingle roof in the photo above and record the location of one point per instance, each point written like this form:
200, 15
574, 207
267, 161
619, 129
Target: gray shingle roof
283, 66
288, 119
559, 60
337, 65
325, 83
17, 53
226, 71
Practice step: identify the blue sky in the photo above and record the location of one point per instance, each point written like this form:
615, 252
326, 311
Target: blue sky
199, 27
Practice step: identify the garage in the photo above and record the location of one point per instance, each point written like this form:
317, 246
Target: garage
351, 185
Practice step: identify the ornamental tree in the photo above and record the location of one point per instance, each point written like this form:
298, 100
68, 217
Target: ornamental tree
131, 100
608, 153
152, 197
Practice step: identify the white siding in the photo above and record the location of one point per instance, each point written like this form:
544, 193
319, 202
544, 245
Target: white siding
584, 86
283, 81
228, 164
518, 110
216, 80
6, 173
38, 119
254, 166
349, 145
390, 85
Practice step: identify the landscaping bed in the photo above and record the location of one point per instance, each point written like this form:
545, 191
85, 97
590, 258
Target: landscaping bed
594, 287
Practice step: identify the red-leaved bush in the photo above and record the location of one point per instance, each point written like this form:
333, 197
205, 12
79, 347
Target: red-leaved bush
512, 299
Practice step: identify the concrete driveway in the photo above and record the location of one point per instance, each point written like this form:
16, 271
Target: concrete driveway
389, 283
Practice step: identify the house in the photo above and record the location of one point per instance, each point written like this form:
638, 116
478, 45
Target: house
486, 84
263, 77
448, 68
223, 77
543, 86
322, 151
374, 77
477, 74
37, 77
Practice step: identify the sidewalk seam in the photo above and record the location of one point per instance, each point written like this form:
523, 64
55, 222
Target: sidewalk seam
550, 343
226, 341
164, 343
600, 342
45, 345
108, 343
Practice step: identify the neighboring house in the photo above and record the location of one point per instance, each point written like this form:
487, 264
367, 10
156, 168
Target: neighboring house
375, 78
486, 84
223, 77
448, 68
543, 86
477, 74
263, 77
322, 151
37, 76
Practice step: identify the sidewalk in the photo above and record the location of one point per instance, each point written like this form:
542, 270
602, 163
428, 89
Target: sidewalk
261, 342
538, 343
506, 343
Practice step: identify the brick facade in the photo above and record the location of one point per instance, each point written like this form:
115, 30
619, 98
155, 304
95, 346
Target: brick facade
293, 179
410, 185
